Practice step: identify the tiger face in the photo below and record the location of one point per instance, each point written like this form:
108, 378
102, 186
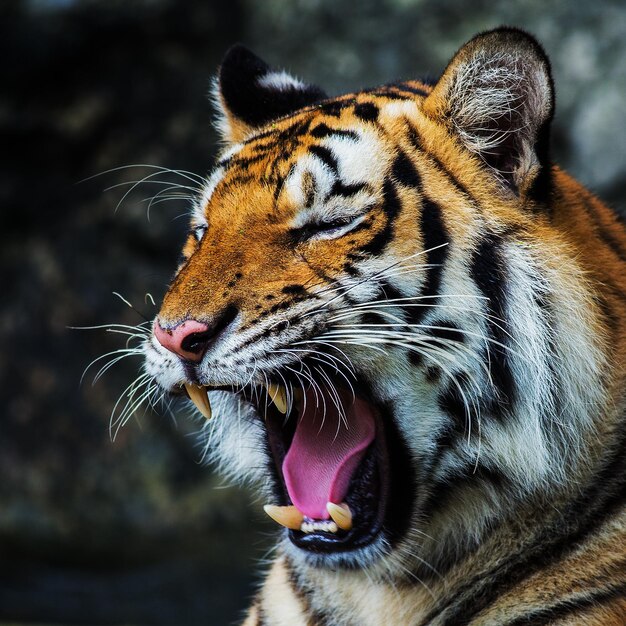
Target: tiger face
375, 306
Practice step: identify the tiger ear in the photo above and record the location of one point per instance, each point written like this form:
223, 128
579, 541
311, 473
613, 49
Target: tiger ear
248, 94
497, 97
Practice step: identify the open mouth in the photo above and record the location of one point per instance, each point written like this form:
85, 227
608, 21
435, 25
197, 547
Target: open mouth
331, 469
335, 454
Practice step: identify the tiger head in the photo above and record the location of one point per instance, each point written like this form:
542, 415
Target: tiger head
374, 304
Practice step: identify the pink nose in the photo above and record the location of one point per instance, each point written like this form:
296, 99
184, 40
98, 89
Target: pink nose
188, 339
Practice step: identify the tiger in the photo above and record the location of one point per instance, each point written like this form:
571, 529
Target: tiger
407, 327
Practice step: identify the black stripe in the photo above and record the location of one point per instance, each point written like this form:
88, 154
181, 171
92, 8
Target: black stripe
266, 332
403, 486
333, 283
273, 137
557, 539
611, 318
403, 171
611, 241
257, 604
295, 131
366, 224
416, 358
367, 111
569, 607
543, 300
259, 136
237, 180
373, 319
288, 139
349, 299
278, 181
389, 292
351, 269
392, 95
615, 290
322, 130
391, 209
450, 402
488, 271
388, 91
416, 142
294, 289
415, 90
276, 137
446, 331
326, 156
433, 374
435, 239
334, 108
346, 191
244, 162
444, 491
444, 440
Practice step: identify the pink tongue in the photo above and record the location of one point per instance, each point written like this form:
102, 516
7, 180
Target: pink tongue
325, 452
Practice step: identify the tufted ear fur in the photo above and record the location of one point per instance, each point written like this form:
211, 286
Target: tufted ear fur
497, 96
249, 94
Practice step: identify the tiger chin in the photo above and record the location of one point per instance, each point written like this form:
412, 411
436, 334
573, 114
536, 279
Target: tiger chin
408, 329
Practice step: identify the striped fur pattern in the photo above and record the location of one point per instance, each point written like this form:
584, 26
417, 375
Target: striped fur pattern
420, 237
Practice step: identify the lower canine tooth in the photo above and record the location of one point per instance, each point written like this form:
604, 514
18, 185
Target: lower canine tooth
287, 516
198, 395
278, 396
341, 514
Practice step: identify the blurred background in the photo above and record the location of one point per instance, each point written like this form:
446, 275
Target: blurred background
138, 531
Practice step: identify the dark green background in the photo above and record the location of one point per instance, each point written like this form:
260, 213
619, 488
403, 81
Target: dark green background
138, 531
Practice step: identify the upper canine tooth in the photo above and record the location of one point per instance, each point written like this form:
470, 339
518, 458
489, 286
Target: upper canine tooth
341, 514
278, 395
198, 395
287, 516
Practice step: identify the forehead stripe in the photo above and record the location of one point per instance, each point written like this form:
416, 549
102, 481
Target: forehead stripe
416, 142
411, 89
346, 191
391, 208
322, 130
367, 111
326, 156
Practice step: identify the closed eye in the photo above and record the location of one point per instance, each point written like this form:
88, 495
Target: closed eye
329, 229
